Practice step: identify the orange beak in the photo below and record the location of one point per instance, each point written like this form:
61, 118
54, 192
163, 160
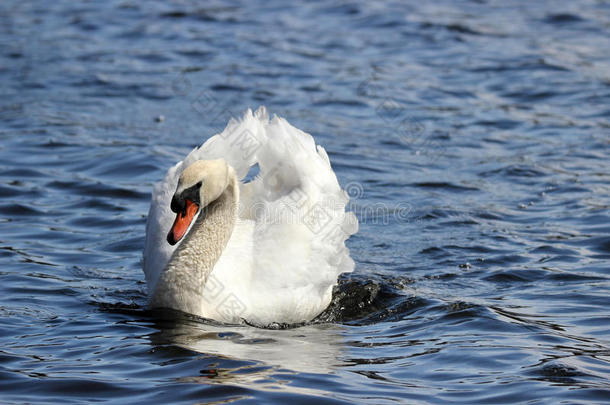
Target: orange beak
182, 222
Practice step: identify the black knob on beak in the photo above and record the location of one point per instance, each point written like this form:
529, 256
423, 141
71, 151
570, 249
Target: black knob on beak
178, 203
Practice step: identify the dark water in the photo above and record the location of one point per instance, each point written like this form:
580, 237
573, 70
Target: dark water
474, 138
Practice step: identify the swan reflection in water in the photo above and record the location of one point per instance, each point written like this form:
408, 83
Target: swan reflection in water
314, 348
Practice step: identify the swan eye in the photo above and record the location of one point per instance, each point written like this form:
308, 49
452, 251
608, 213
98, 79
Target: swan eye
198, 185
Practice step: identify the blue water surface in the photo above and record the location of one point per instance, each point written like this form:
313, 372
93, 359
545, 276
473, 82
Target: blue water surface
472, 136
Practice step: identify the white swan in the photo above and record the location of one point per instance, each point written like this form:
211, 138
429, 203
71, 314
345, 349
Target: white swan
265, 251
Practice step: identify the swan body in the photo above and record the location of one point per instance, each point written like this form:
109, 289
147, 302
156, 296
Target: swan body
264, 251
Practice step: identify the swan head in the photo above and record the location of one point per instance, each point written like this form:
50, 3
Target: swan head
198, 185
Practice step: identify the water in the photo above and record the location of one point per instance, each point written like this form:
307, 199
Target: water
473, 137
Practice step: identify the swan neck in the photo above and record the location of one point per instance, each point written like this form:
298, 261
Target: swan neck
182, 283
